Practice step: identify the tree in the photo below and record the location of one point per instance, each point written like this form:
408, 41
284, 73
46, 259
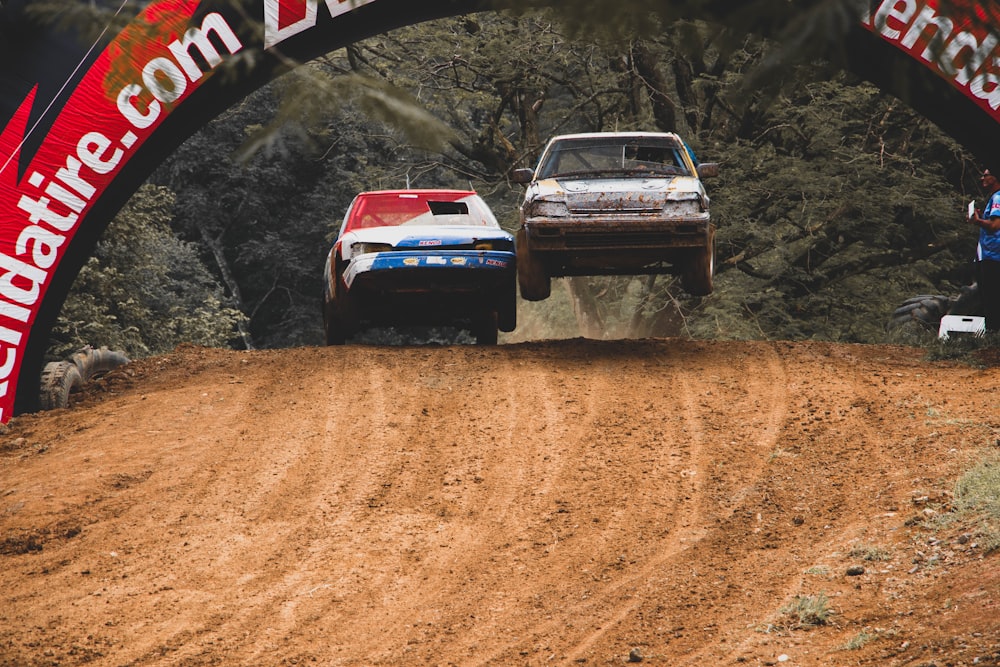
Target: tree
841, 203
143, 291
264, 224
831, 191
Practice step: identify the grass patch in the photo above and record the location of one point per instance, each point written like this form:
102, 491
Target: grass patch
870, 552
808, 610
977, 498
961, 347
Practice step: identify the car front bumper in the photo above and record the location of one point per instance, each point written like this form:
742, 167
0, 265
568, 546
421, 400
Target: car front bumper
615, 244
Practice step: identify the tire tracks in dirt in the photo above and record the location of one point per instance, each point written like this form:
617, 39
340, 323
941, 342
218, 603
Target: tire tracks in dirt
703, 497
543, 502
669, 488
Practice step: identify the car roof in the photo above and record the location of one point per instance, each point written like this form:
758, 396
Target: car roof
627, 135
419, 192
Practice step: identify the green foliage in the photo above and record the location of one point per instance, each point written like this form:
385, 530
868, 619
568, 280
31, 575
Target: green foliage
858, 641
264, 224
143, 291
965, 348
839, 205
835, 202
310, 95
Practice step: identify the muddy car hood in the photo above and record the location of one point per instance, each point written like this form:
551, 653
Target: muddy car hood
617, 193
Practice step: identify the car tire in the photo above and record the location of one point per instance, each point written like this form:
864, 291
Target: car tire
696, 279
59, 380
339, 322
535, 283
926, 309
485, 330
333, 327
90, 362
507, 308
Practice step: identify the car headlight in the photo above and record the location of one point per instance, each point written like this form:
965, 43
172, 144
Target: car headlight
546, 209
362, 248
683, 207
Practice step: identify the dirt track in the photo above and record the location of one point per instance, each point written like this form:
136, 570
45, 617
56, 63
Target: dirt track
565, 502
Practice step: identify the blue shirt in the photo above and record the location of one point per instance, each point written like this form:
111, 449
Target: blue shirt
989, 242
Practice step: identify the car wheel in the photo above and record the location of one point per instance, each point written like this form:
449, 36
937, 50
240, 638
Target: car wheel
59, 379
339, 321
90, 362
534, 282
926, 309
507, 308
333, 326
697, 277
485, 329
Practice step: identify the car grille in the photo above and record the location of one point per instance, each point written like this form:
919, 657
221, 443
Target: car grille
620, 240
604, 204
619, 208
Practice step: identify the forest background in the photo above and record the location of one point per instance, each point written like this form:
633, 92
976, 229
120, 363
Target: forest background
835, 203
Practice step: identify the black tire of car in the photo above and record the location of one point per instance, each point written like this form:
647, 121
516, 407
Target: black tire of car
507, 308
91, 362
333, 327
535, 283
338, 323
485, 330
59, 380
696, 279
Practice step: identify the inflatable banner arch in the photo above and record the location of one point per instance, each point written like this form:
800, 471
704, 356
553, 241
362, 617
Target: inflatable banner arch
83, 124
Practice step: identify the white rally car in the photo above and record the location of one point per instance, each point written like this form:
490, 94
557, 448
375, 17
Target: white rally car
430, 257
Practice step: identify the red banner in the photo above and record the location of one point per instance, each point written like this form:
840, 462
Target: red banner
287, 18
147, 71
958, 41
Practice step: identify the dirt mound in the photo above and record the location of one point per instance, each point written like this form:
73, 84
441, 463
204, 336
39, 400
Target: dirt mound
565, 502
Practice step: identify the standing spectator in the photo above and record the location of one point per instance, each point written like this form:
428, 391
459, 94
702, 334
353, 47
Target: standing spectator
988, 252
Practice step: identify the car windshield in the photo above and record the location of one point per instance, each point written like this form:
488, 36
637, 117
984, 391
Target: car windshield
392, 209
653, 156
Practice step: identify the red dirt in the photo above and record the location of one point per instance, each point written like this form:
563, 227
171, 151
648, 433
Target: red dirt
565, 502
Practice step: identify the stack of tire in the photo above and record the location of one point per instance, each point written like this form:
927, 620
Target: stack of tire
928, 309
62, 378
